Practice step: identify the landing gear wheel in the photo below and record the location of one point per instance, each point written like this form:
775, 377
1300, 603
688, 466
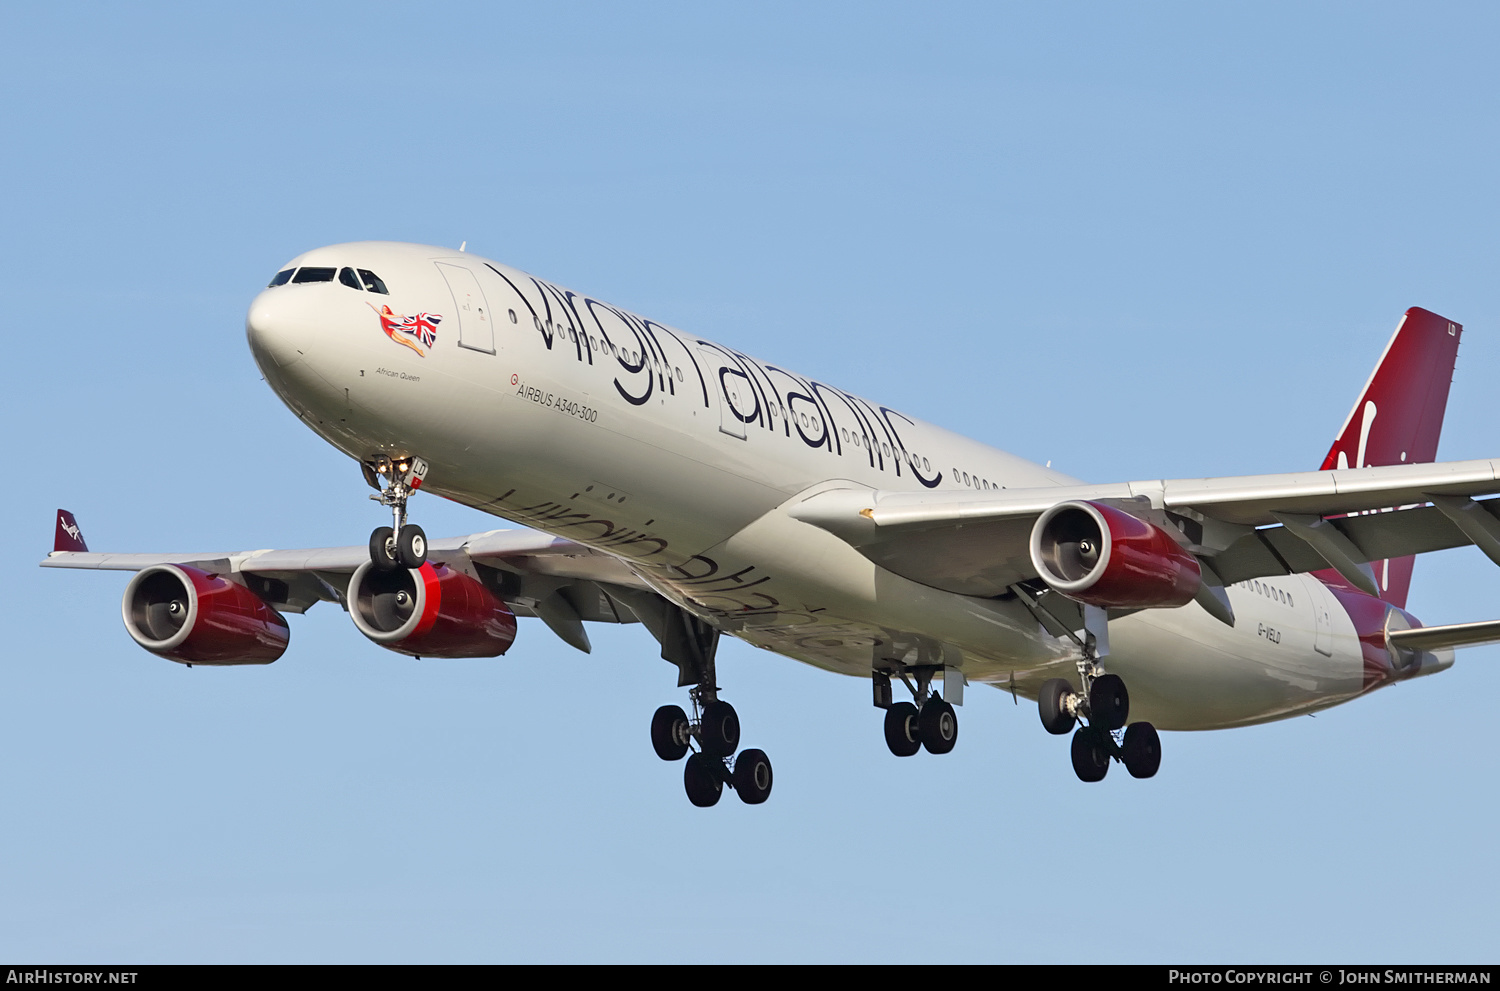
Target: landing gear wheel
720, 730
752, 776
901, 729
1109, 703
938, 726
411, 546
670, 732
1055, 717
383, 549
702, 781
1142, 750
1090, 757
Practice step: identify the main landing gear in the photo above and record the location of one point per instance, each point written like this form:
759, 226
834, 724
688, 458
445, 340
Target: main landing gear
716, 729
909, 726
1106, 705
403, 544
714, 726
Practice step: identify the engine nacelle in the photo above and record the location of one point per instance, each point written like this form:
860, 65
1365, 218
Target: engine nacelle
431, 611
191, 616
1105, 557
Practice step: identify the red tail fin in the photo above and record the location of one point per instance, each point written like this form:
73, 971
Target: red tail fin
1399, 415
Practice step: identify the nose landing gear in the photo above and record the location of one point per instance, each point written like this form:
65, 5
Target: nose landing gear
1106, 705
403, 544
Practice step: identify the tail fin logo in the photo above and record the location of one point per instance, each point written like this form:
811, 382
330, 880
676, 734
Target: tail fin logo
69, 537
417, 332
1366, 422
1399, 416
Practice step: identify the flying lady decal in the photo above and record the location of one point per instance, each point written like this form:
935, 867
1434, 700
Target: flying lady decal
418, 333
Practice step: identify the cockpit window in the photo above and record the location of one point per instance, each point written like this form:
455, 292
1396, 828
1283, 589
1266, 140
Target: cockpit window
281, 277
372, 282
347, 277
313, 275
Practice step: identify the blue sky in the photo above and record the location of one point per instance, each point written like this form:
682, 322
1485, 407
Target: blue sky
1151, 240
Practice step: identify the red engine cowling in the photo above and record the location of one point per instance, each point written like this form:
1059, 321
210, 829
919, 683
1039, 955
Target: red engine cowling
431, 611
191, 616
1103, 556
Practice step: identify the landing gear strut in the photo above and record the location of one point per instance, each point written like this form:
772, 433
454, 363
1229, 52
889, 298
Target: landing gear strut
403, 544
929, 721
692, 645
1105, 703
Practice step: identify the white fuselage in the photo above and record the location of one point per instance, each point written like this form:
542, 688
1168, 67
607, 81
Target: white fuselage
681, 456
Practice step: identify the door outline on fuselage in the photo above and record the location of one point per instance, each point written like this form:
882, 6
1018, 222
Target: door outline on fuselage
725, 379
1322, 606
476, 328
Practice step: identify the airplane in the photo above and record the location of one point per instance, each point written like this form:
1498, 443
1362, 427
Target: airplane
681, 484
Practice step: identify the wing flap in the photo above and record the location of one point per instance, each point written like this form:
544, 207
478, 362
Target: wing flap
535, 567
979, 545
1246, 500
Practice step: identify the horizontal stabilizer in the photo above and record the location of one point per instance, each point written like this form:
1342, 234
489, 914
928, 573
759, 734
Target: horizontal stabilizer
1438, 637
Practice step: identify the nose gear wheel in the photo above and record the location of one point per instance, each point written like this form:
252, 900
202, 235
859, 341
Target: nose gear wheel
403, 544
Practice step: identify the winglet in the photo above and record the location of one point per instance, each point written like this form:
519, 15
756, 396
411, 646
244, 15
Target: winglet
69, 537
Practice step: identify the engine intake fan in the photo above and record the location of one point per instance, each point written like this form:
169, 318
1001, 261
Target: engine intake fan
1103, 556
190, 616
431, 611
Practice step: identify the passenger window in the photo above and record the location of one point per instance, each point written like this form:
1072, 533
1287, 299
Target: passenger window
312, 275
372, 282
348, 278
282, 278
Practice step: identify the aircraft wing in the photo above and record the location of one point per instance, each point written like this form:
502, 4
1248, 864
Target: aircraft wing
1240, 527
525, 568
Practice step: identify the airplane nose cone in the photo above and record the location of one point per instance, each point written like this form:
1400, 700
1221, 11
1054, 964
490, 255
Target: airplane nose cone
273, 331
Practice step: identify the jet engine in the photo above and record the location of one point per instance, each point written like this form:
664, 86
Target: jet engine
1103, 556
431, 611
193, 617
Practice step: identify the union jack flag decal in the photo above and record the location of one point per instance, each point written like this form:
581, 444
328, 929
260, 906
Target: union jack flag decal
418, 333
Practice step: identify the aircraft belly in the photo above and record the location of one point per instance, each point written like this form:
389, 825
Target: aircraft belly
800, 591
1187, 671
